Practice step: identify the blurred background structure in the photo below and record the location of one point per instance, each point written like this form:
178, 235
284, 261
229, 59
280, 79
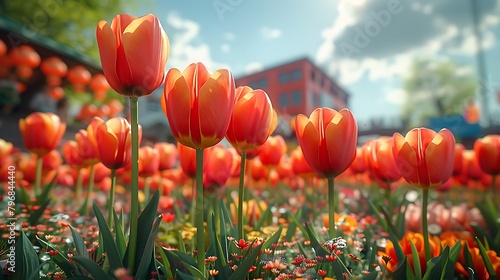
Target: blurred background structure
396, 64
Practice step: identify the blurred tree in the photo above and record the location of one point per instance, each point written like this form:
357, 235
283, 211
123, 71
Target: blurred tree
436, 88
71, 23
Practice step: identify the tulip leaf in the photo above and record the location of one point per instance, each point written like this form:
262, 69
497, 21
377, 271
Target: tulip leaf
376, 211
144, 227
183, 276
436, 266
264, 218
80, 246
59, 259
469, 264
454, 252
120, 241
295, 219
34, 216
290, 232
182, 247
403, 271
249, 260
110, 248
46, 191
416, 260
372, 258
165, 264
486, 260
183, 263
146, 264
27, 259
216, 250
397, 247
372, 276
94, 269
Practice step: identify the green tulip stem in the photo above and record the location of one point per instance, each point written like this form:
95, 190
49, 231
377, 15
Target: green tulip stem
111, 202
90, 189
192, 209
331, 208
38, 178
79, 183
425, 229
241, 193
200, 236
134, 193
147, 190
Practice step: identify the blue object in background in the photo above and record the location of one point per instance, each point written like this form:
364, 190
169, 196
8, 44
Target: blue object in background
457, 125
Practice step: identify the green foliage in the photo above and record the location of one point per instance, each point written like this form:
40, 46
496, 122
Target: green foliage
71, 23
436, 88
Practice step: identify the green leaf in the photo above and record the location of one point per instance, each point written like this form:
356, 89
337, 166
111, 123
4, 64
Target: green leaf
454, 252
382, 220
110, 248
295, 219
121, 243
436, 266
26, 258
469, 265
403, 271
59, 259
248, 261
148, 256
372, 276
399, 252
80, 246
166, 264
215, 245
290, 232
144, 227
183, 276
181, 262
416, 260
41, 198
34, 216
94, 269
371, 257
264, 218
486, 260
182, 247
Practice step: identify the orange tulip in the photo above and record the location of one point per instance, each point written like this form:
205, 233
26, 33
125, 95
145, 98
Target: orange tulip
418, 241
272, 151
198, 104
133, 53
487, 151
359, 165
299, 164
217, 165
114, 143
328, 140
425, 158
42, 132
187, 160
149, 161
168, 155
70, 153
253, 119
459, 159
86, 148
6, 148
380, 159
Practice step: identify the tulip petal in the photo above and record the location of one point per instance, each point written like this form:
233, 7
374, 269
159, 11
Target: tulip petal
439, 157
406, 159
108, 145
341, 151
308, 138
106, 42
178, 104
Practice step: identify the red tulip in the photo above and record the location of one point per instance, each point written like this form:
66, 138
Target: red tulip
272, 151
328, 140
133, 53
70, 153
114, 144
253, 119
380, 159
86, 148
359, 165
168, 155
187, 160
487, 151
198, 104
299, 164
425, 158
149, 161
42, 132
217, 164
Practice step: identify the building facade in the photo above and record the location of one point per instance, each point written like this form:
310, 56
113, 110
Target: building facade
297, 87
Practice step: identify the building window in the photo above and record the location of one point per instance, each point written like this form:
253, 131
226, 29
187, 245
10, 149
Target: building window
284, 78
313, 75
263, 83
296, 97
283, 100
296, 74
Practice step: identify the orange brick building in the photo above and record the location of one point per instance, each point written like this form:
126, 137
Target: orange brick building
297, 87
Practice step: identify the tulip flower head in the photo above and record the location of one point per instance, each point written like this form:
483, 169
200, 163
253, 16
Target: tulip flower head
253, 119
487, 151
133, 53
42, 132
198, 104
425, 158
328, 140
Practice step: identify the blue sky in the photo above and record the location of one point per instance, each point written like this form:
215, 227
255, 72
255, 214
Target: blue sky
366, 46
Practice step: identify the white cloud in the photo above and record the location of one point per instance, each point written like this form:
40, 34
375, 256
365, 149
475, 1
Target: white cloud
395, 95
270, 33
253, 67
368, 39
225, 48
186, 47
